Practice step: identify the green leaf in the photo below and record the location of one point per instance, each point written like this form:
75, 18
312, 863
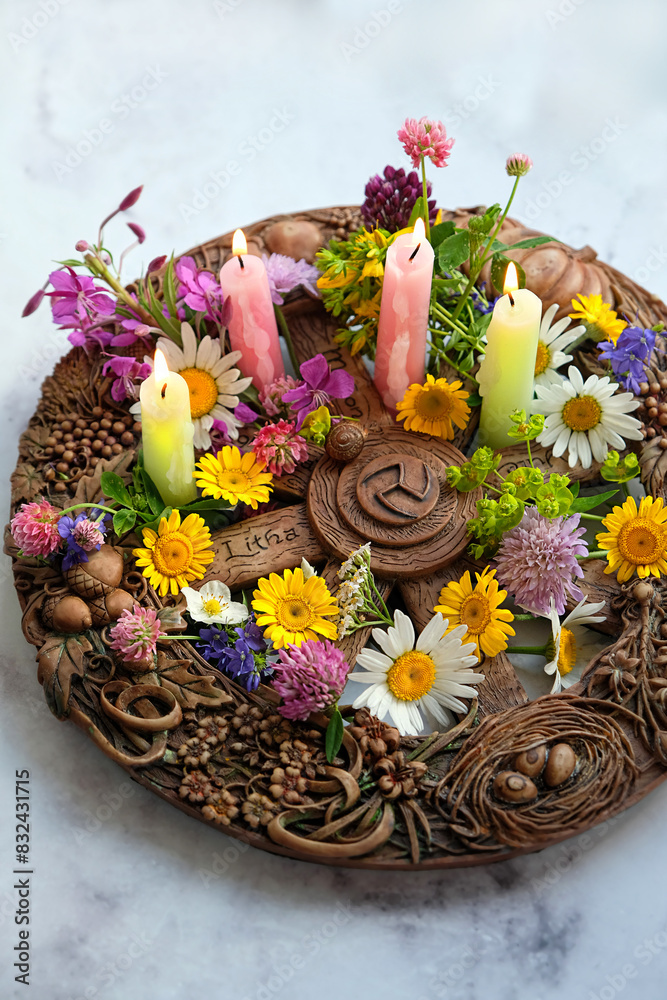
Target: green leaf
417, 211
574, 488
454, 250
114, 487
155, 523
533, 241
124, 521
441, 232
169, 289
155, 501
334, 734
474, 399
207, 504
583, 504
498, 269
71, 263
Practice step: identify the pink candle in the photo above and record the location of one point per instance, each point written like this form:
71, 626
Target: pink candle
252, 328
400, 356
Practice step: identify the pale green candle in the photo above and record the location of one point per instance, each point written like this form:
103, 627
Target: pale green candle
507, 372
167, 433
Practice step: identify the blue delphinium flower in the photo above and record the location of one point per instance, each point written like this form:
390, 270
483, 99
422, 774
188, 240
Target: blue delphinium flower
83, 534
629, 356
240, 652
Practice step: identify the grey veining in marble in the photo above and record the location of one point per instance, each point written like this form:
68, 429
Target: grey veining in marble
130, 897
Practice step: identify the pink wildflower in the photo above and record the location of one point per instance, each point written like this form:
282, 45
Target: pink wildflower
35, 528
518, 164
280, 447
425, 138
271, 396
309, 677
136, 633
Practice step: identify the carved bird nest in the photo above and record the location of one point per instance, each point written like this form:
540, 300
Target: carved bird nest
511, 777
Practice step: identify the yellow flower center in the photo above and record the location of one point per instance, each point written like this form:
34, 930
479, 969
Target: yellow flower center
203, 391
543, 358
582, 413
641, 541
411, 676
172, 554
233, 480
434, 403
212, 606
476, 613
294, 614
568, 652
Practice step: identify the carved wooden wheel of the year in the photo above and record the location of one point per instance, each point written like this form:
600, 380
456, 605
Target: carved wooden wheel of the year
511, 777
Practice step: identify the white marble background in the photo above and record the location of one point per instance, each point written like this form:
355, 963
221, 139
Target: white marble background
131, 898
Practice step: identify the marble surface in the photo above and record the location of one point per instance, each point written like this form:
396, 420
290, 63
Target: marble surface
131, 898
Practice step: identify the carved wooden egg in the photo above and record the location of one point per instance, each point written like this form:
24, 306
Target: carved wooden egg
560, 765
296, 238
531, 761
513, 787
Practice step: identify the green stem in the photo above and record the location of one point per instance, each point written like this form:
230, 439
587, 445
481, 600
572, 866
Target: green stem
96, 506
525, 618
427, 225
452, 364
530, 457
591, 517
284, 329
97, 267
596, 554
444, 317
624, 487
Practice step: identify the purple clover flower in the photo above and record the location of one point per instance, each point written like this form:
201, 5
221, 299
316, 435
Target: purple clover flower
391, 198
83, 534
127, 370
285, 274
630, 356
320, 386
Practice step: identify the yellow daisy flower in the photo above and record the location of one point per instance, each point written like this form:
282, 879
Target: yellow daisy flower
434, 407
637, 539
479, 609
234, 477
598, 317
291, 608
176, 553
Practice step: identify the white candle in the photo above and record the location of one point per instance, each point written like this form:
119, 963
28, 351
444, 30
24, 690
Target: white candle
507, 372
167, 433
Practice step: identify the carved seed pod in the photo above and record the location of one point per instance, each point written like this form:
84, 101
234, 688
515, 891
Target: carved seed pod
562, 762
513, 787
531, 761
99, 576
66, 614
345, 441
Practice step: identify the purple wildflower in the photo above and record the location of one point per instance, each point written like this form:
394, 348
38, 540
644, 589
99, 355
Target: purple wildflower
309, 677
537, 561
245, 413
214, 642
630, 356
78, 304
83, 534
237, 656
285, 274
127, 371
200, 289
390, 200
320, 386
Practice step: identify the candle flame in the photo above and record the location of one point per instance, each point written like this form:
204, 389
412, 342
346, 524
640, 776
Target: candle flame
239, 244
160, 366
511, 279
419, 232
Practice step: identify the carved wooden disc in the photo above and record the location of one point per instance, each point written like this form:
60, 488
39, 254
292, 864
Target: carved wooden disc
395, 495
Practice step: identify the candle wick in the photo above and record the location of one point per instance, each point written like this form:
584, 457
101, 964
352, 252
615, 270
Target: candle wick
164, 390
510, 298
414, 252
240, 258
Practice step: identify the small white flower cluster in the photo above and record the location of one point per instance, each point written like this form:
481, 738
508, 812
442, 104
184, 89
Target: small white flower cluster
354, 574
359, 559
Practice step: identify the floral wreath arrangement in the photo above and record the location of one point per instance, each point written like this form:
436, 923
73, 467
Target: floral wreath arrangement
357, 445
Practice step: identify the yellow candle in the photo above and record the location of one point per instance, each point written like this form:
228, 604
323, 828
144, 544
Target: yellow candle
507, 372
167, 433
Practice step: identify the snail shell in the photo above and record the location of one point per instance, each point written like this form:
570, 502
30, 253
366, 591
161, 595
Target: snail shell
66, 614
562, 762
513, 787
531, 761
345, 441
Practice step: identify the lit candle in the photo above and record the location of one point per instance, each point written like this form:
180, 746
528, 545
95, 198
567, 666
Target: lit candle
252, 327
167, 433
507, 371
400, 357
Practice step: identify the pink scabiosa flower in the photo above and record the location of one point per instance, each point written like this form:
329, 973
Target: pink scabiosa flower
35, 528
271, 396
280, 447
425, 138
518, 164
136, 633
537, 561
285, 274
309, 677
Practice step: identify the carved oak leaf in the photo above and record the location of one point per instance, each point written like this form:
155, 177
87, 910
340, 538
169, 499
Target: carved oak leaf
61, 658
26, 482
33, 439
89, 490
190, 690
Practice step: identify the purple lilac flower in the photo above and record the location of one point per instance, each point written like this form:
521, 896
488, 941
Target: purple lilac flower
630, 356
199, 289
390, 199
309, 677
127, 371
320, 386
537, 561
285, 274
78, 304
83, 534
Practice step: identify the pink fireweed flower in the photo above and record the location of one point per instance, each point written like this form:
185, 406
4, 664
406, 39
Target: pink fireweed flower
271, 396
537, 561
127, 370
280, 447
425, 138
136, 633
320, 385
309, 677
35, 528
518, 164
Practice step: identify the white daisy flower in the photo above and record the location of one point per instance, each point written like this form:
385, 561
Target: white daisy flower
307, 569
566, 637
552, 342
214, 385
212, 603
585, 419
404, 678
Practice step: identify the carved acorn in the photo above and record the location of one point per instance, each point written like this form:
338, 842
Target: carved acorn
97, 580
345, 441
66, 614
